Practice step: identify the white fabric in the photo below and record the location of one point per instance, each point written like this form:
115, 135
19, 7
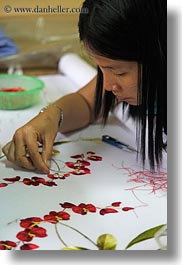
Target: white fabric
79, 71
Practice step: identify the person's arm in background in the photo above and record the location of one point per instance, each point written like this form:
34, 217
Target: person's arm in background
42, 129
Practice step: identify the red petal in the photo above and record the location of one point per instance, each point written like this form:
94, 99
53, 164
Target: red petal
38, 231
83, 163
7, 245
63, 215
2, 247
27, 181
67, 205
79, 210
77, 156
70, 164
83, 171
91, 208
82, 205
28, 222
116, 204
2, 185
53, 213
36, 183
90, 153
66, 175
38, 180
29, 247
49, 183
52, 176
107, 211
11, 243
95, 158
62, 177
125, 209
24, 236
50, 219
17, 178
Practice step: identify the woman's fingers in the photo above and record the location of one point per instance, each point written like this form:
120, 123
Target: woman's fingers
29, 153
36, 157
8, 150
24, 151
25, 155
21, 159
47, 152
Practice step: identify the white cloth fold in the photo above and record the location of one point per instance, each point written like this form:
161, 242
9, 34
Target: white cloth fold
78, 70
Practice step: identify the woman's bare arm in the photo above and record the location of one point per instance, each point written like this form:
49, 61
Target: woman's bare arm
78, 108
23, 149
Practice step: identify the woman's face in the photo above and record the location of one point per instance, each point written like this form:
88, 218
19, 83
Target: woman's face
120, 77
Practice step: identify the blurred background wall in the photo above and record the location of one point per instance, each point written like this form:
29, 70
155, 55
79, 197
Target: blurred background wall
43, 30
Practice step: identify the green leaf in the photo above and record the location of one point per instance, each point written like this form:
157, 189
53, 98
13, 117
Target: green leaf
74, 248
106, 242
145, 236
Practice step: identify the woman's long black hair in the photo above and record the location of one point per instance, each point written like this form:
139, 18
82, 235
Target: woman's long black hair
133, 30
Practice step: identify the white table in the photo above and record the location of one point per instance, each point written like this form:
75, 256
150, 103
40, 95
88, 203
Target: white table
110, 194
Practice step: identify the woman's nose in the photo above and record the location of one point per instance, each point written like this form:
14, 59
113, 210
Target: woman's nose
108, 82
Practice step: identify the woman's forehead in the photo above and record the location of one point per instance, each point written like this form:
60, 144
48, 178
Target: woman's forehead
108, 63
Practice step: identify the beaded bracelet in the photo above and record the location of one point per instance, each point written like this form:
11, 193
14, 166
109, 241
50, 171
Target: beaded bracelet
61, 113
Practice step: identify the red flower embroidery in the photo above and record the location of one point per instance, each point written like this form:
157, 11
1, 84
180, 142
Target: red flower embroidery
125, 209
49, 183
2, 185
84, 208
65, 175
17, 178
78, 164
30, 222
28, 234
116, 204
80, 171
52, 176
54, 217
70, 164
29, 247
7, 245
67, 205
107, 211
35, 181
93, 157
78, 156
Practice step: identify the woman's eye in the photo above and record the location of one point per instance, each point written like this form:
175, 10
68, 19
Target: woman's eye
120, 74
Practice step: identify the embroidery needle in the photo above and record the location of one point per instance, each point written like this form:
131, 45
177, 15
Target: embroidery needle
114, 142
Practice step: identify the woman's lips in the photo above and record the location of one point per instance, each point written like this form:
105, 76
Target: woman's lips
129, 100
122, 98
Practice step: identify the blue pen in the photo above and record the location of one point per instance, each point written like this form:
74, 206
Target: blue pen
114, 142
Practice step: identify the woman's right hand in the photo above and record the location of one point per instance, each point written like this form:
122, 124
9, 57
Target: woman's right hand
24, 149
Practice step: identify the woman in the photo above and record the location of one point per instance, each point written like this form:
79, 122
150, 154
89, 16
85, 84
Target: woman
127, 40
